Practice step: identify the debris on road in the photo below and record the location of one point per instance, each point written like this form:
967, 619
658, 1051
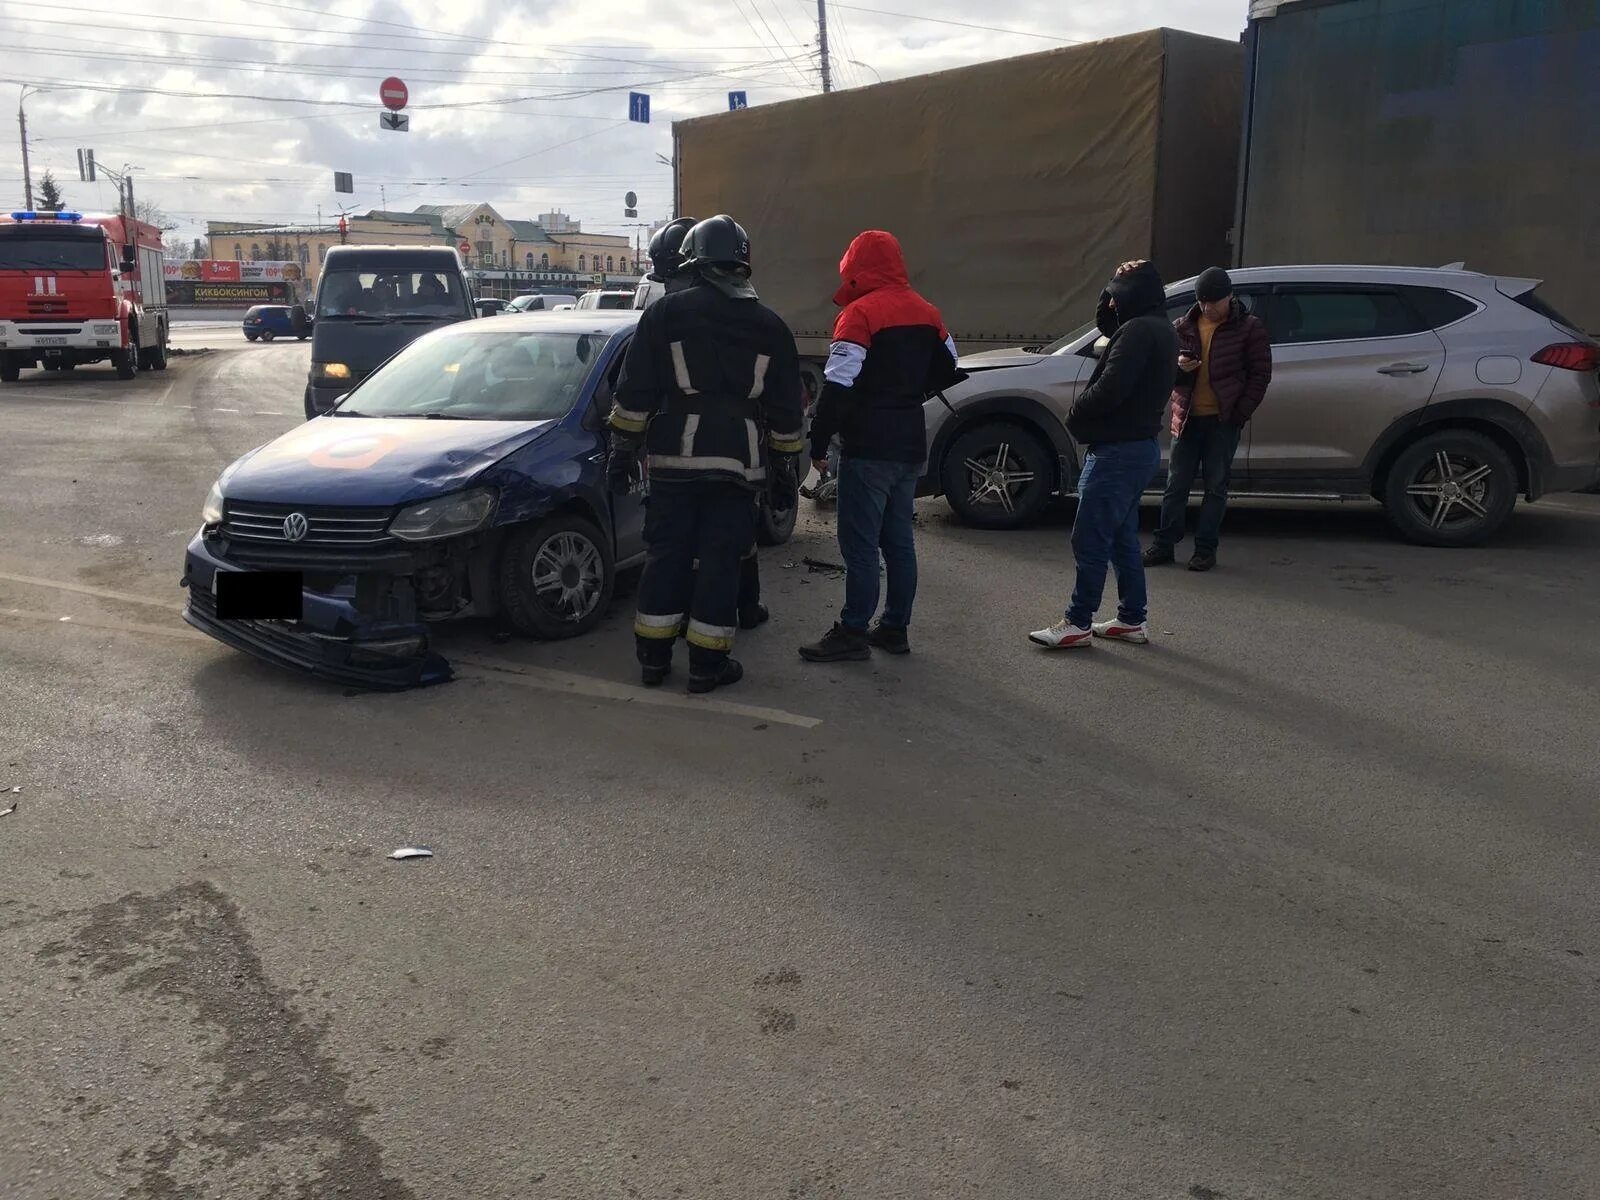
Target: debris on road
6, 812
406, 852
818, 564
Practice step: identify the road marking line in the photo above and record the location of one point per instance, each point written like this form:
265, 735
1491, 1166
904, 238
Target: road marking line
84, 590
547, 679
500, 670
173, 631
229, 410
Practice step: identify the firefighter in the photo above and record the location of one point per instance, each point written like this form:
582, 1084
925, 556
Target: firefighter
667, 269
710, 392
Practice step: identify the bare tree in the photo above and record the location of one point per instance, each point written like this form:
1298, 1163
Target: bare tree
152, 213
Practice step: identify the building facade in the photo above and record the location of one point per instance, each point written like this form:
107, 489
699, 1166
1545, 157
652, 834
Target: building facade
501, 252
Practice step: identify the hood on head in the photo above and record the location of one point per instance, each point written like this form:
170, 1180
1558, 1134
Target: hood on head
874, 260
1138, 293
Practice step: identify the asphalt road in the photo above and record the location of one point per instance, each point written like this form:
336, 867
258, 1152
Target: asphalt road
1299, 901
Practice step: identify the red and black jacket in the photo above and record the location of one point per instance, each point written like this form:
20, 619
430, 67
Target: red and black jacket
890, 352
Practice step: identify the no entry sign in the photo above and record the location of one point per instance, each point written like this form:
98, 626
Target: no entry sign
393, 93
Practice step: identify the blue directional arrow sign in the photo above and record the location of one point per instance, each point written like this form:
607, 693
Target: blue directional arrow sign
639, 107
737, 100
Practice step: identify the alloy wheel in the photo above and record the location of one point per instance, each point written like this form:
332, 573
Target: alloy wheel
994, 477
568, 576
1451, 490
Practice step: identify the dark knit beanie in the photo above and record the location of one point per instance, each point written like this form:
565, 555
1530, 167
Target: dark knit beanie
1213, 284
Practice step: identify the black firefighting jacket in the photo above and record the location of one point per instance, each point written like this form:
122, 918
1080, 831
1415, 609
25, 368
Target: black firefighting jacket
710, 384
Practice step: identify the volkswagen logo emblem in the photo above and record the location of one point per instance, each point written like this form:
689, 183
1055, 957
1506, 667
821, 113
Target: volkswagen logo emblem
295, 527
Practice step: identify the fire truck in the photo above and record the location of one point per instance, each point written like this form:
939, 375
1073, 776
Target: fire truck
81, 289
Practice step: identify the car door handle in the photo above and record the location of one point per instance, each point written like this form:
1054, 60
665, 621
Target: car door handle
1403, 369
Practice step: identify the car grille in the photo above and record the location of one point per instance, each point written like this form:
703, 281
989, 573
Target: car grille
333, 528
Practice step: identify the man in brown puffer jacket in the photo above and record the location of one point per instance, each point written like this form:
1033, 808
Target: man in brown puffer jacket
1224, 366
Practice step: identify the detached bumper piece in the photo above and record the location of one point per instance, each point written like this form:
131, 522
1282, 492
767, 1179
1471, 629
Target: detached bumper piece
384, 664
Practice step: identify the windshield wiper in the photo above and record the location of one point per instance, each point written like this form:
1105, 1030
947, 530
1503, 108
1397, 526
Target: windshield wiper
346, 412
375, 319
439, 416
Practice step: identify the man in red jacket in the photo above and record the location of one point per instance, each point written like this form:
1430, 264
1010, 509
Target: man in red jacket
890, 352
1224, 366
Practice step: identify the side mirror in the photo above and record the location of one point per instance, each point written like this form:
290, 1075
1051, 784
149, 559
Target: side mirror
128, 266
1097, 347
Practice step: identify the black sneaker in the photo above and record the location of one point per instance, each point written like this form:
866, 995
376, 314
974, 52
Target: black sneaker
729, 673
838, 645
889, 638
756, 614
654, 676
1157, 555
1202, 561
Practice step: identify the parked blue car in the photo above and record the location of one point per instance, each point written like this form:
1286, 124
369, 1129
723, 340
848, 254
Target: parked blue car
465, 476
267, 321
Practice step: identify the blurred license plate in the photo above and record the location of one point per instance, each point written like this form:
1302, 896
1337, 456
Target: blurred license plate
49, 341
258, 595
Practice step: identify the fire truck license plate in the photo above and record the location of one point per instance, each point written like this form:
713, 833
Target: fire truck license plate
49, 341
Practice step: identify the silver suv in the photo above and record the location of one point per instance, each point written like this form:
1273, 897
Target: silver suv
1442, 393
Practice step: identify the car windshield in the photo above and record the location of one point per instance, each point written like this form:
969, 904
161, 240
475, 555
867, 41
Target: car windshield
52, 254
390, 294
480, 376
1060, 344
616, 300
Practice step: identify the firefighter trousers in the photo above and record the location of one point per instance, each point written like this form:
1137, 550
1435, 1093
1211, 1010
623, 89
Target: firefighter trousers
714, 524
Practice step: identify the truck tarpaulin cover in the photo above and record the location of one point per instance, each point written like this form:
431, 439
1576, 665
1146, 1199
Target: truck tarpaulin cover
1014, 186
1428, 132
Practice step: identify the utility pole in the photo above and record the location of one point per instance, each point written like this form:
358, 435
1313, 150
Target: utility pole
22, 123
822, 44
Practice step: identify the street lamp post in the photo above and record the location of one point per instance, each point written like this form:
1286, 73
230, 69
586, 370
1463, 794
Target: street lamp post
874, 70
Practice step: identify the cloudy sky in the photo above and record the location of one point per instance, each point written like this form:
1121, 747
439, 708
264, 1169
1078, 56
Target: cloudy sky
242, 109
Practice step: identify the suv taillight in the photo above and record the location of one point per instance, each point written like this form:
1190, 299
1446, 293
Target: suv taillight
1570, 356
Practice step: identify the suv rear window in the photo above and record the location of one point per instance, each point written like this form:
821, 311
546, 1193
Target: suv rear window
1339, 315
1438, 307
1532, 300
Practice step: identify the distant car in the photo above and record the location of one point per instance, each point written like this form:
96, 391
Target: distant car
593, 300
1441, 393
264, 322
490, 306
647, 293
465, 476
371, 301
541, 302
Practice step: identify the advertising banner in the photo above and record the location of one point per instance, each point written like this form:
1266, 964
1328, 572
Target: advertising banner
227, 270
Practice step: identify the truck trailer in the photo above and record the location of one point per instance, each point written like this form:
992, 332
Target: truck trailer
1015, 186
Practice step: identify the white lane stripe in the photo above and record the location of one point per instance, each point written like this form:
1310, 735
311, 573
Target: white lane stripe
175, 604
226, 410
604, 689
500, 670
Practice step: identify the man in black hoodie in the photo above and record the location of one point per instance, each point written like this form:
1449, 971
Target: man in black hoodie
1117, 418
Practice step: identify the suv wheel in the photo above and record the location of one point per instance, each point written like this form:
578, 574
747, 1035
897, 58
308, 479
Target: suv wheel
556, 577
775, 525
267, 335
998, 475
1452, 488
10, 372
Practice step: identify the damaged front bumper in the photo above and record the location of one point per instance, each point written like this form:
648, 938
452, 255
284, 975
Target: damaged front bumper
334, 639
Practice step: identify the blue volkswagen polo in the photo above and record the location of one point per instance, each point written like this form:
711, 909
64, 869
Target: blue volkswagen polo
465, 476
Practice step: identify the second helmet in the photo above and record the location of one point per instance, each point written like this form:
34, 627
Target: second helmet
718, 241
666, 249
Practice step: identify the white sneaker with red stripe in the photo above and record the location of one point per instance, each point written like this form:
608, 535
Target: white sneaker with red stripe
1121, 631
1062, 636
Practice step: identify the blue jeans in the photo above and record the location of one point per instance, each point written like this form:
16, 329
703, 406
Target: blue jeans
875, 514
1106, 531
1207, 447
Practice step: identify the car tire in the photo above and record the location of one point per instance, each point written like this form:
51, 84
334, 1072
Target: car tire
249, 337
775, 526
267, 335
989, 501
300, 337
1451, 488
126, 360
10, 372
556, 577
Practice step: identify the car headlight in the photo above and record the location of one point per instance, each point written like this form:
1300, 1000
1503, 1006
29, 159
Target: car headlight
111, 328
444, 517
330, 372
211, 514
